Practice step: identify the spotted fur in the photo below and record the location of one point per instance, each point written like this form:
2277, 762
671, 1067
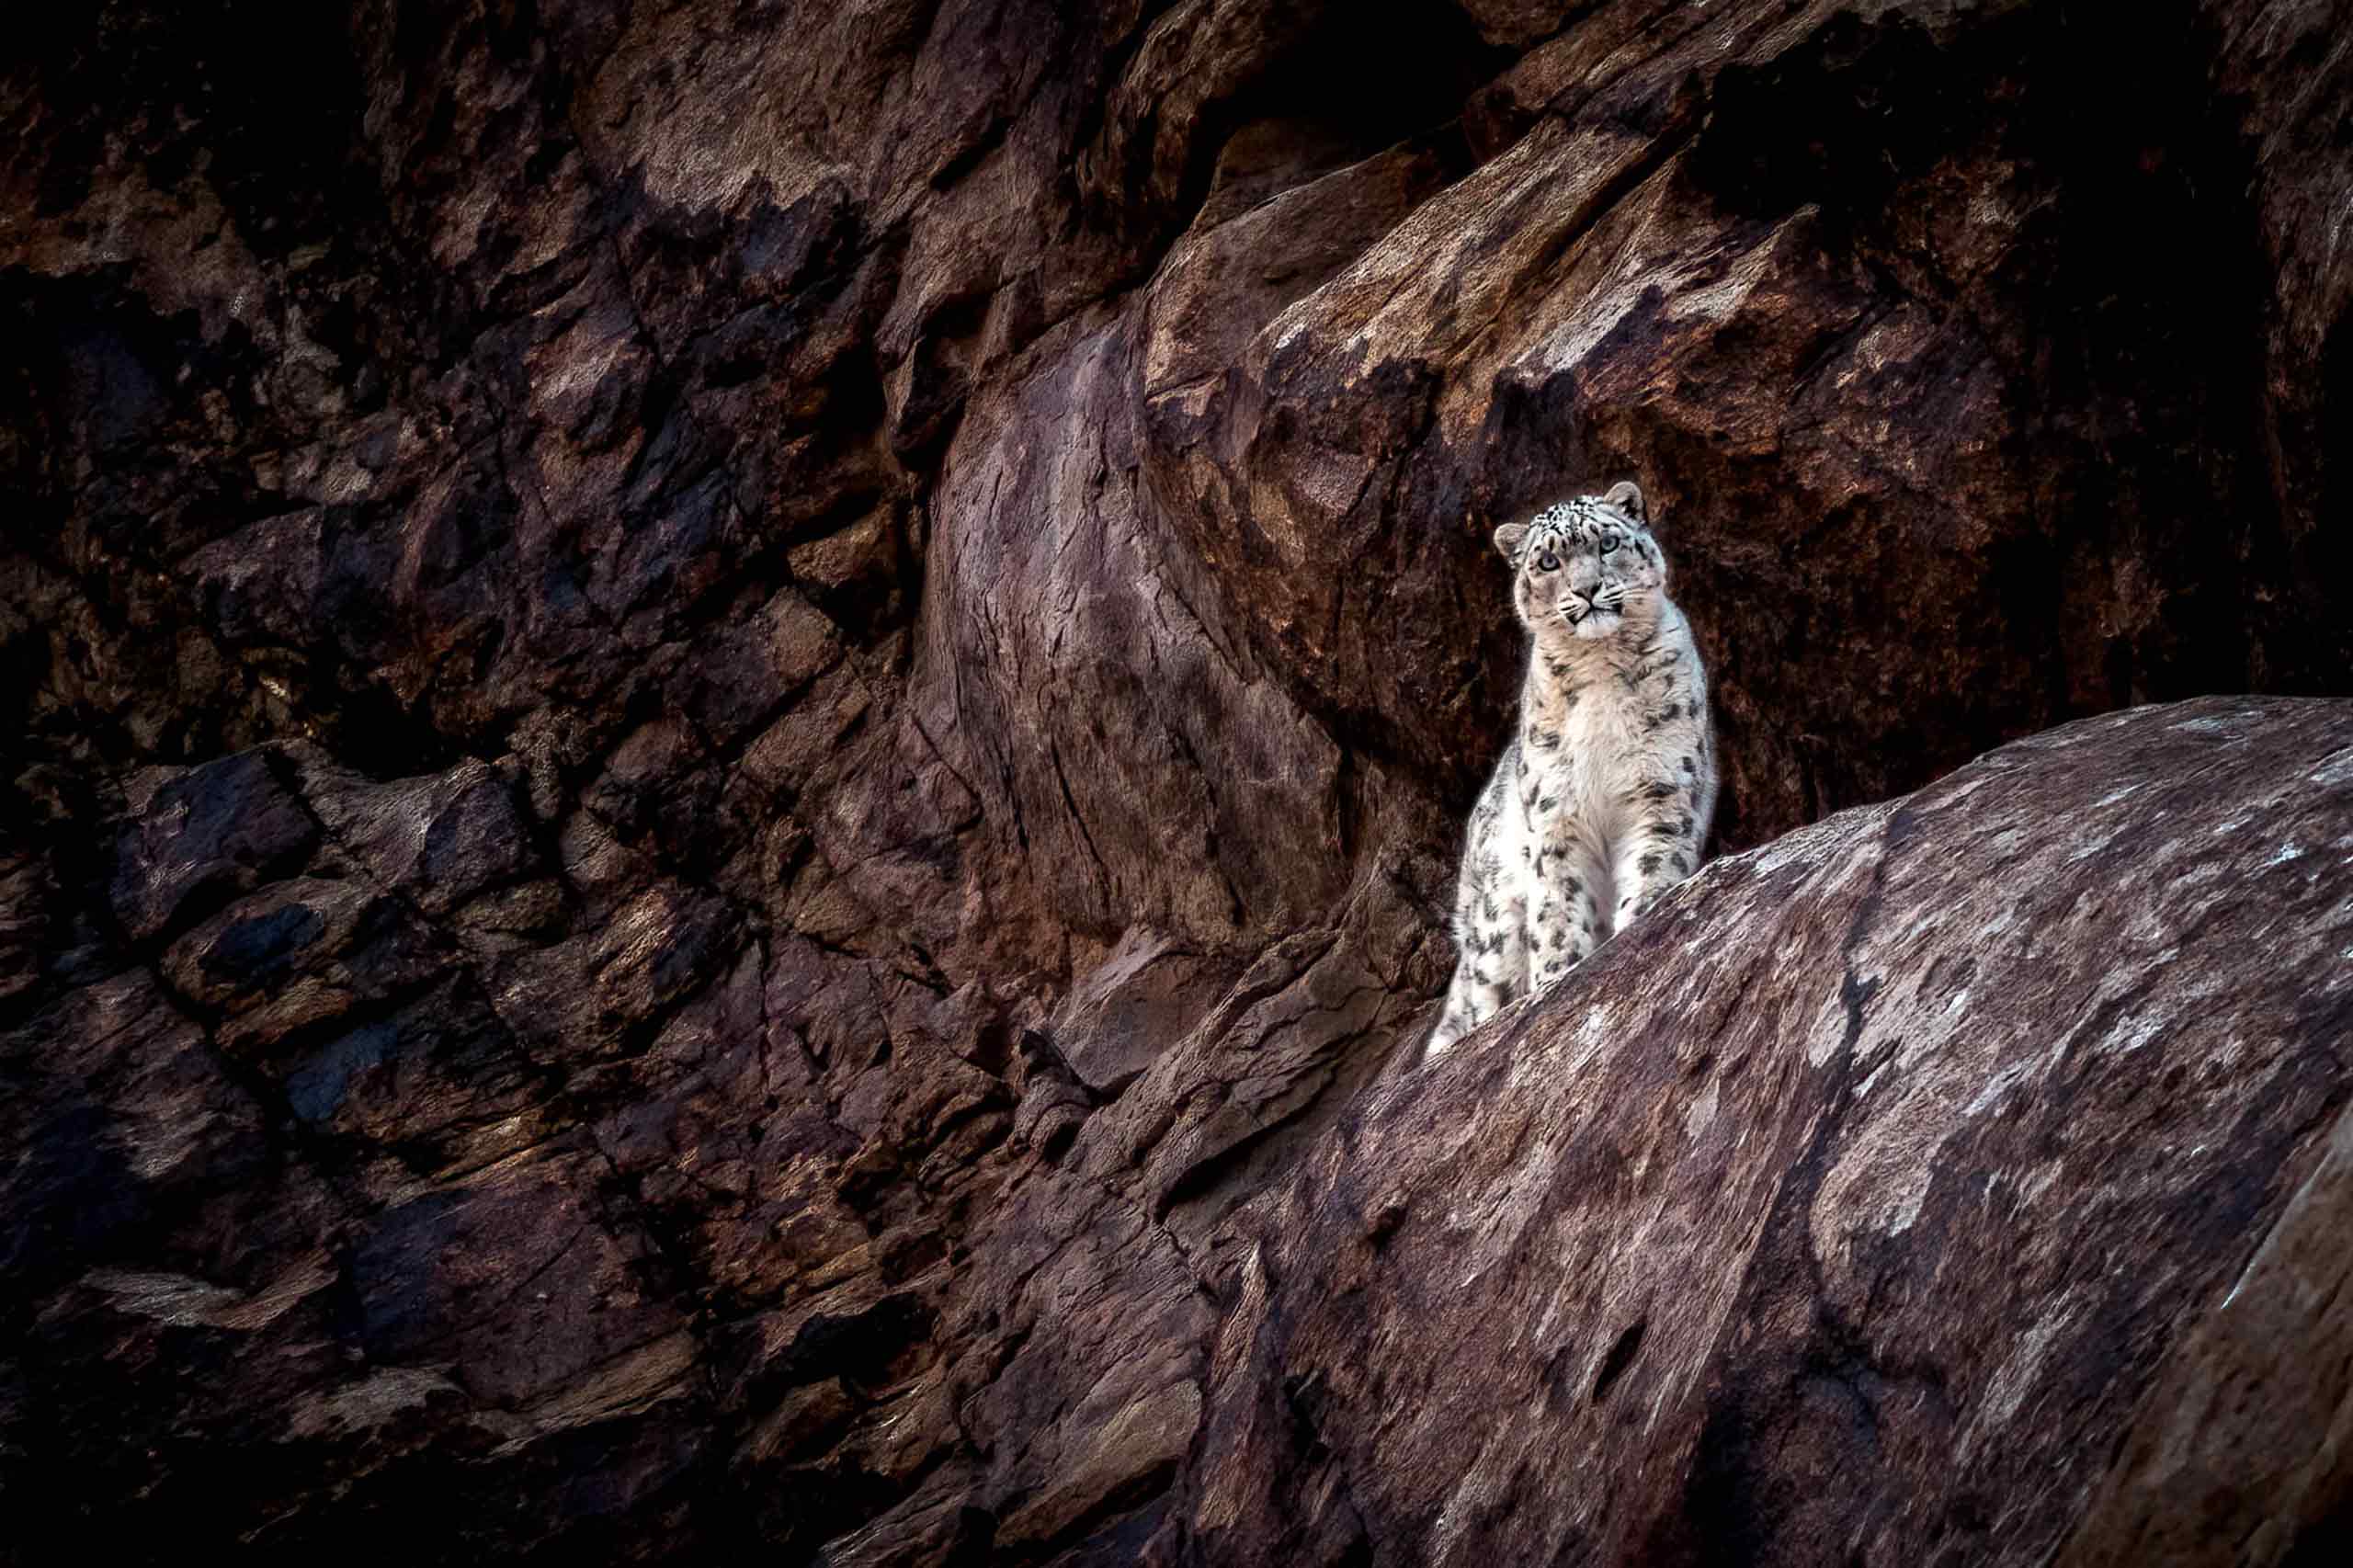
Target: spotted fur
1603, 797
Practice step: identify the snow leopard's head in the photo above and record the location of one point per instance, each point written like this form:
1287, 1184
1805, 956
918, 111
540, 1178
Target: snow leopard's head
1581, 569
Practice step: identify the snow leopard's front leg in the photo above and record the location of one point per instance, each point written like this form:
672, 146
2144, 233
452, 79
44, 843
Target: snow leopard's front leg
1479, 990
1566, 925
1489, 974
1664, 846
1490, 928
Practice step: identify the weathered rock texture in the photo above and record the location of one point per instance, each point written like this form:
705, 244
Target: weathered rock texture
733, 727
1961, 1179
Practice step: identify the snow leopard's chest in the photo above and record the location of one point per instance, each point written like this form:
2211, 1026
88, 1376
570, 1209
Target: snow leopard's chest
1607, 749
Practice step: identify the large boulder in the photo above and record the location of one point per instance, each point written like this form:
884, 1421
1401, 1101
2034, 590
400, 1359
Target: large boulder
1959, 1179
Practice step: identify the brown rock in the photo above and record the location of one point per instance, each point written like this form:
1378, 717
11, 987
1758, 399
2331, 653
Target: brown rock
439, 840
1148, 991
2235, 1448
298, 955
24, 894
803, 677
219, 830
1945, 1140
511, 1274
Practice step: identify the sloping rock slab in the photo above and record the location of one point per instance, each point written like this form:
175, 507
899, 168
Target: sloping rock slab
1942, 1183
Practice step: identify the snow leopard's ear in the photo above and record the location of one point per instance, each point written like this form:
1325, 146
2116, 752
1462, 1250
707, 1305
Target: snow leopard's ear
1627, 496
1509, 537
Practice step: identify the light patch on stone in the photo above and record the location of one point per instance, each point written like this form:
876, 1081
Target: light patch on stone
1998, 1087
180, 1301
2008, 1386
1901, 1201
636, 1380
2098, 843
1719, 300
1569, 347
703, 155
2126, 1042
1470, 1499
1878, 1186
2336, 768
1552, 1053
1101, 1457
1988, 210
1701, 1113
1917, 924
372, 1402
1812, 846
1829, 1031
2284, 854
2115, 795
1509, 1208
1960, 789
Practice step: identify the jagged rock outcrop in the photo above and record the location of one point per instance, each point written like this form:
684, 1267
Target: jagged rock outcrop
734, 728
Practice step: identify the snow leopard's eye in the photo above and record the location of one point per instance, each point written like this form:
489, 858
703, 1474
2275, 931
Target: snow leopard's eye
1608, 543
1548, 562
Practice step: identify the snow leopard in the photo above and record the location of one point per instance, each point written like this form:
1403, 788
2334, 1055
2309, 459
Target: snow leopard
1603, 797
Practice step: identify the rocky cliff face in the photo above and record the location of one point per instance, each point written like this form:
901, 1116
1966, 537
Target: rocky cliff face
736, 730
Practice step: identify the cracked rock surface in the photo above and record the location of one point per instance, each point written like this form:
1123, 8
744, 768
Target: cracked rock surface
734, 734
1944, 1181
